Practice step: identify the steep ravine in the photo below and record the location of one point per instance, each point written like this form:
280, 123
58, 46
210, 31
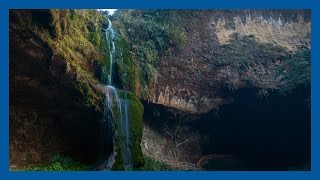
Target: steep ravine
169, 84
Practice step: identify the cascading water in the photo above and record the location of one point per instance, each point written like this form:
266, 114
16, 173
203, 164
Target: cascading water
125, 134
112, 50
116, 108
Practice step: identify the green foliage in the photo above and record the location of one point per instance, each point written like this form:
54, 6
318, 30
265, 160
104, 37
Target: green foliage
296, 68
95, 39
76, 34
118, 165
296, 71
136, 116
148, 34
61, 163
153, 165
128, 69
135, 111
90, 97
77, 37
151, 28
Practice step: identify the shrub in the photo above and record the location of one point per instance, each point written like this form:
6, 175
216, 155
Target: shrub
149, 34
296, 71
61, 163
153, 165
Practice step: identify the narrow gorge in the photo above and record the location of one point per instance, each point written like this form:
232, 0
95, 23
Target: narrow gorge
160, 90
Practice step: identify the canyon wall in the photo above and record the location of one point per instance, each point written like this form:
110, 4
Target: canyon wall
194, 64
189, 67
56, 105
212, 52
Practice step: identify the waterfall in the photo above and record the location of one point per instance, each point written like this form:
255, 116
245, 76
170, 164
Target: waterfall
125, 134
110, 35
116, 108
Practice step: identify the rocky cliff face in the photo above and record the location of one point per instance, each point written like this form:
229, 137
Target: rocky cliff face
54, 107
217, 51
194, 70
204, 66
262, 38
58, 63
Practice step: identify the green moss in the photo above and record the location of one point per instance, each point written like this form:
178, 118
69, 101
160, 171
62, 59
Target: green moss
128, 69
136, 114
105, 63
90, 97
77, 37
95, 39
146, 35
135, 111
118, 165
154, 165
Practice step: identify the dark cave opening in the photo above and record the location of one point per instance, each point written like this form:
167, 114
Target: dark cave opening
272, 133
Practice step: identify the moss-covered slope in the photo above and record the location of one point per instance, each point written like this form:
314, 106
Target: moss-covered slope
55, 101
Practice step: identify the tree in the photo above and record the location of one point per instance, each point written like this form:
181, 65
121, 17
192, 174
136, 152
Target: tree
181, 136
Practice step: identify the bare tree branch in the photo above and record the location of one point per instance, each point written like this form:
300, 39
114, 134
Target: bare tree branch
180, 135
185, 141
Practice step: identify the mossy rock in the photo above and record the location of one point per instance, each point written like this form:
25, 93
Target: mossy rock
136, 114
135, 111
118, 165
128, 69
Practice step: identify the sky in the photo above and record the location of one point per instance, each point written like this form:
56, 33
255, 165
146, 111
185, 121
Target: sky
110, 11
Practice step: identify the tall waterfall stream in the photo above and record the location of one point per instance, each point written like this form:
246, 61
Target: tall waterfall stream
116, 109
